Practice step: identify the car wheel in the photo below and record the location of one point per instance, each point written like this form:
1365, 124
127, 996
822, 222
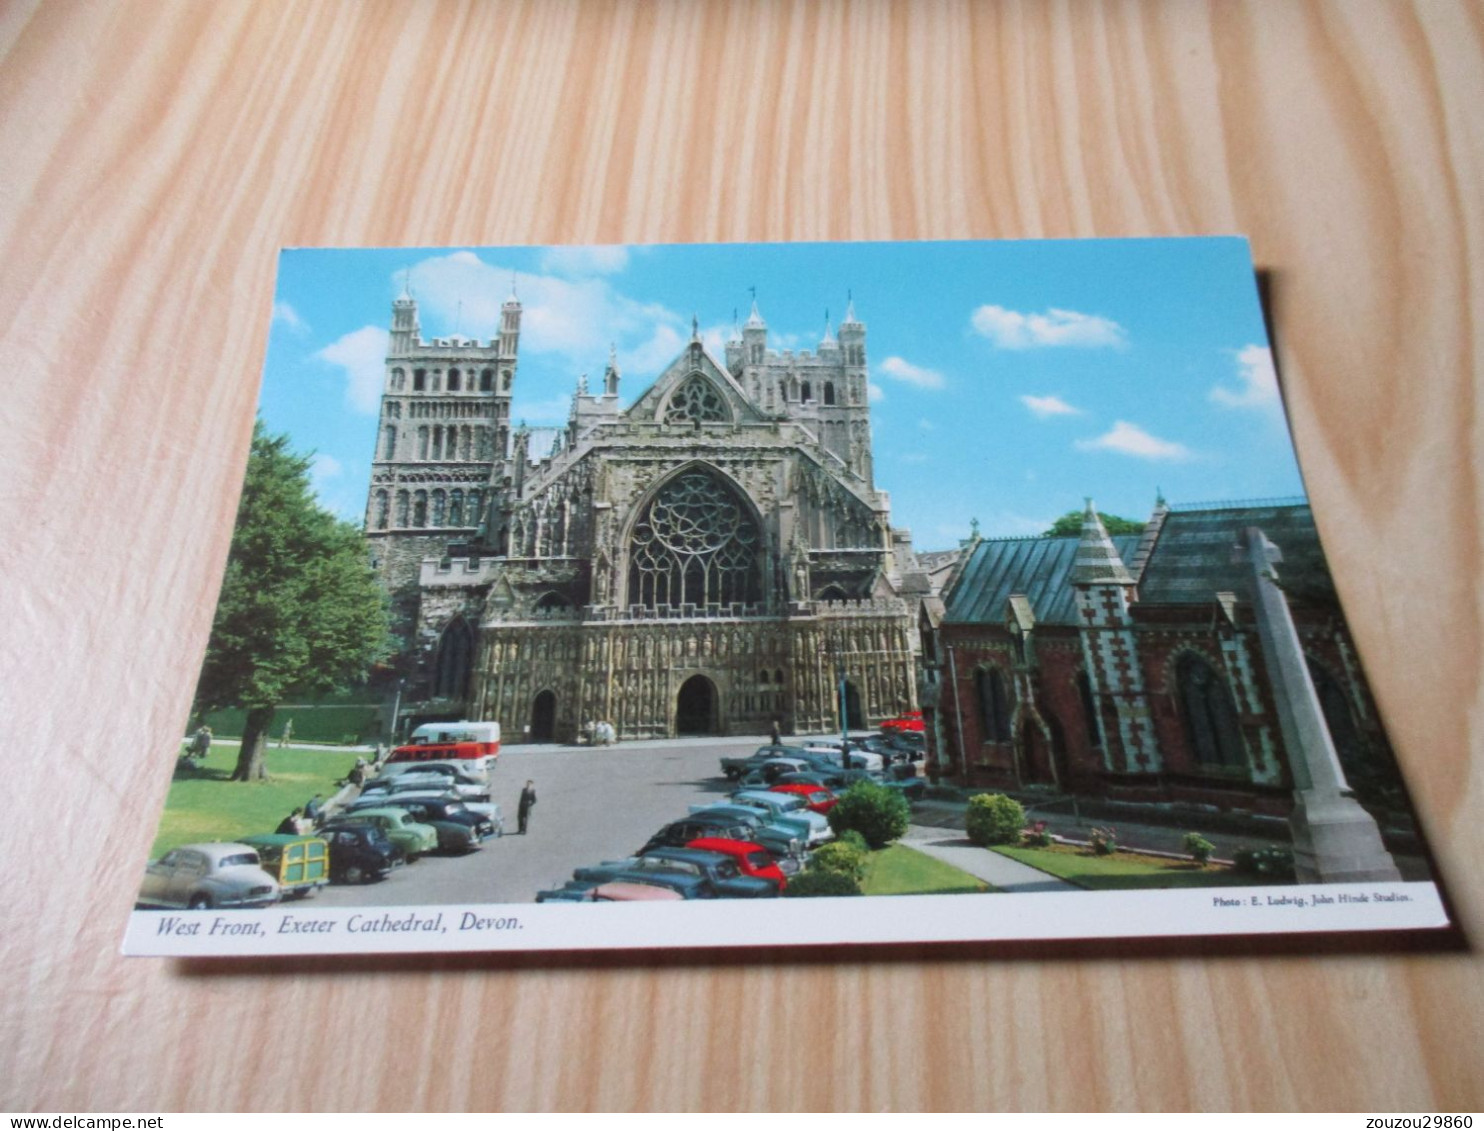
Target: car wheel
354, 874
200, 902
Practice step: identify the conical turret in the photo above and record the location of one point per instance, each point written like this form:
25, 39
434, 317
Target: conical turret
1097, 561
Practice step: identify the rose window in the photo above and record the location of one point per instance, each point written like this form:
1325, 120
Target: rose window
696, 401
694, 544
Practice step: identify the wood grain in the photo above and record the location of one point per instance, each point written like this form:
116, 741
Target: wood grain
156, 157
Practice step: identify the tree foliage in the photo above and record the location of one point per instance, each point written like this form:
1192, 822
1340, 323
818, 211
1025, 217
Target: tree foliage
1071, 523
300, 610
879, 814
993, 818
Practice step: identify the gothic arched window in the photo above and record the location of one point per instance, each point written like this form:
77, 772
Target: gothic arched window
389, 444
453, 381
1209, 715
471, 510
695, 543
486, 380
399, 380
805, 392
994, 712
697, 400
455, 657
422, 441
829, 392
456, 508
419, 380
1089, 710
383, 508
440, 506
402, 508
420, 508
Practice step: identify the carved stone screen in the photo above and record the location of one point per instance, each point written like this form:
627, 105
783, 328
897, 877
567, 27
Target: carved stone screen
696, 401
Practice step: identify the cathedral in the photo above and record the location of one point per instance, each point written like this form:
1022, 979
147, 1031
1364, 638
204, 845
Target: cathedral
708, 560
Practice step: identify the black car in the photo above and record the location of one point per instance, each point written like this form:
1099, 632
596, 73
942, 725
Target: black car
455, 833
359, 852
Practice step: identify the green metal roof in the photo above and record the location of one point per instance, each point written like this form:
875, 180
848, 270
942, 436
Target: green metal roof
1192, 560
1038, 568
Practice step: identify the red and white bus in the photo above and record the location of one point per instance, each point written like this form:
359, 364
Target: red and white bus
474, 744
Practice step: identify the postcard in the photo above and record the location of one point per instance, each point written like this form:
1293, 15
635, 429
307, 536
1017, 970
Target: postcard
906, 591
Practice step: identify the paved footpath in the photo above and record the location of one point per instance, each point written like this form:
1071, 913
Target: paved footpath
999, 871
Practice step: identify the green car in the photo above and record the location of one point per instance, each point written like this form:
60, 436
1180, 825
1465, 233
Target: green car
412, 837
300, 864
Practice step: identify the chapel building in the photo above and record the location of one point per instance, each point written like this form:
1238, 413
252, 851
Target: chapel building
1129, 668
712, 558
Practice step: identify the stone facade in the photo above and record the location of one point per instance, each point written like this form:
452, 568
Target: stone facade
712, 558
1130, 668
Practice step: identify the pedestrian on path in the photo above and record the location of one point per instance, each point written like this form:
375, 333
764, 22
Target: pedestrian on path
523, 809
774, 736
288, 733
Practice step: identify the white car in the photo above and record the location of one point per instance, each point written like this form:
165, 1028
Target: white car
787, 806
204, 877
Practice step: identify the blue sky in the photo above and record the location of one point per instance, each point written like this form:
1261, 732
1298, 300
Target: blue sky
1009, 379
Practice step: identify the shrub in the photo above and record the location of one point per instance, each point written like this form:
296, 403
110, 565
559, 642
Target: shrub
842, 857
850, 836
878, 814
1199, 847
1273, 862
821, 883
1104, 841
1038, 835
993, 818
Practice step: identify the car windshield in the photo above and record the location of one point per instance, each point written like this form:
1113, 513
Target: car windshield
237, 859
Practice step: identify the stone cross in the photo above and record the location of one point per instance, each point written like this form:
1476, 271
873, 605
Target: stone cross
1334, 839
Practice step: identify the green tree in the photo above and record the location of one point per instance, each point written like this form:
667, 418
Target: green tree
1071, 523
300, 609
879, 814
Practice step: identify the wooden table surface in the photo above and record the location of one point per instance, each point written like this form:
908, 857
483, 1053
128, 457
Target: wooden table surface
155, 156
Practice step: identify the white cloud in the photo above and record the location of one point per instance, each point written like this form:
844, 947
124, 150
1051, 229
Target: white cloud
1014, 330
1049, 406
1131, 440
900, 370
576, 319
553, 410
875, 393
580, 262
361, 354
283, 312
1257, 381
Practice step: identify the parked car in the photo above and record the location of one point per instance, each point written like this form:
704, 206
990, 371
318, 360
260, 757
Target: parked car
446, 808
721, 871
208, 876
453, 836
752, 859
816, 797
360, 852
410, 836
742, 824
459, 771
486, 809
789, 811
911, 721
418, 782
619, 891
771, 826
734, 768
300, 864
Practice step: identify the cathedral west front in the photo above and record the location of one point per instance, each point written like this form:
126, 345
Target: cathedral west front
709, 559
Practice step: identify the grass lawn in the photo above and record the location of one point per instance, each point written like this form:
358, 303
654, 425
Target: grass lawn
203, 805
1127, 870
899, 870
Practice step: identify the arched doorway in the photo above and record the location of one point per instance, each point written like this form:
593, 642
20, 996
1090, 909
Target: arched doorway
1036, 755
855, 717
543, 717
695, 707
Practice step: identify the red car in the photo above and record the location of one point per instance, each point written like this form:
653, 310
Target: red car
752, 859
816, 797
912, 720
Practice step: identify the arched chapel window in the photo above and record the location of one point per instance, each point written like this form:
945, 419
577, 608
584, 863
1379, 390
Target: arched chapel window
420, 508
829, 392
440, 506
695, 543
471, 509
994, 713
383, 507
697, 400
1209, 715
456, 508
402, 508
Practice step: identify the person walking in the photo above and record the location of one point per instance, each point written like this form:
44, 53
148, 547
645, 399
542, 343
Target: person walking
200, 744
523, 810
288, 733
774, 736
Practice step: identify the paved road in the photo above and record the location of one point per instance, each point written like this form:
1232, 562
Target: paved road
592, 805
